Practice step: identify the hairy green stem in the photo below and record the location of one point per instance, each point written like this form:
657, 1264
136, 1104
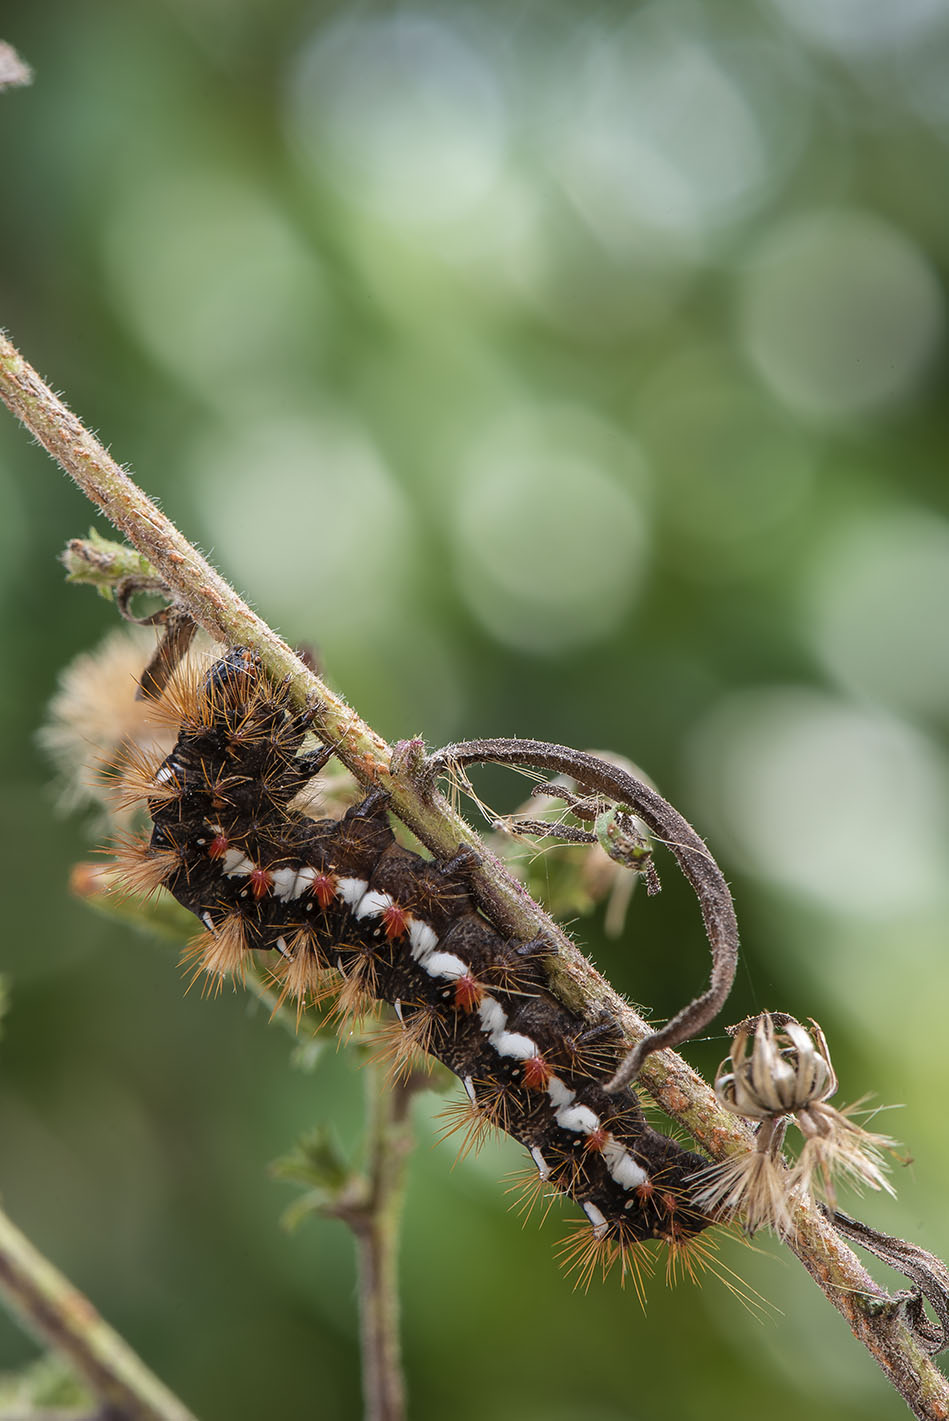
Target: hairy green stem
51, 1307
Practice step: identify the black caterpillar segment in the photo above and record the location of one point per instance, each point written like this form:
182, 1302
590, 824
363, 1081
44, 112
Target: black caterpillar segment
342, 908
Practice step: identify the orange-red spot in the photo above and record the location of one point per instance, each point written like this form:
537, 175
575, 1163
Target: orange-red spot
217, 847
260, 880
537, 1073
669, 1202
596, 1140
324, 888
645, 1190
395, 920
468, 993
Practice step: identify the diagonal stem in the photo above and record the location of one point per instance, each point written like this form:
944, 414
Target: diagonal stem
51, 1307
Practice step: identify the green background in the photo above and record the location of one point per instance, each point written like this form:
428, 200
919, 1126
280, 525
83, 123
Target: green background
569, 372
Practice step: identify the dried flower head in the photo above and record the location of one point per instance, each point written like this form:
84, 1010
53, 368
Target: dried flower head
785, 1072
778, 1069
93, 714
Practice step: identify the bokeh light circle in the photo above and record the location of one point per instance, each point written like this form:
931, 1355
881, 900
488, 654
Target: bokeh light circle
213, 279
862, 27
402, 113
550, 547
840, 313
876, 599
305, 511
833, 801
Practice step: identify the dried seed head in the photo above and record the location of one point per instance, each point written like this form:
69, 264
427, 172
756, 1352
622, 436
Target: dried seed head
785, 1072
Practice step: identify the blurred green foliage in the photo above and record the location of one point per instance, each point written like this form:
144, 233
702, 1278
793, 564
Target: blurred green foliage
569, 372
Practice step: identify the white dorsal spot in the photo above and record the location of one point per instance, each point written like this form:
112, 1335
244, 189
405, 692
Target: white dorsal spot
597, 1219
445, 965
351, 891
423, 939
578, 1119
512, 1043
493, 1016
373, 904
560, 1094
284, 882
622, 1166
543, 1168
236, 865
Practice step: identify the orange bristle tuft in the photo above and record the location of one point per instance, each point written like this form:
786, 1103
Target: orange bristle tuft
395, 921
690, 1258
497, 1103
531, 1189
301, 974
537, 1073
469, 993
401, 1044
687, 1258
140, 870
584, 1253
324, 889
261, 882
182, 701
220, 952
130, 777
357, 995
470, 1118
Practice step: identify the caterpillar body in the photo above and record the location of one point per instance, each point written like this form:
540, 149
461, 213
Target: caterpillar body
337, 906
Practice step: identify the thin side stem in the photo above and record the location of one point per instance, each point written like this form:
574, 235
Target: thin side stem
377, 1234
49, 1305
370, 1205
681, 1093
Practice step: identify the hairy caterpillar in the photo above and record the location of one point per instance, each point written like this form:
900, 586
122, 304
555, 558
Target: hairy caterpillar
341, 909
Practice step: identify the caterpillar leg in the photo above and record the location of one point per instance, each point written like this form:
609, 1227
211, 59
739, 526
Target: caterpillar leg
461, 862
374, 806
310, 763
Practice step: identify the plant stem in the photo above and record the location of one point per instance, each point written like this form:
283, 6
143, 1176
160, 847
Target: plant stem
377, 1234
51, 1307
